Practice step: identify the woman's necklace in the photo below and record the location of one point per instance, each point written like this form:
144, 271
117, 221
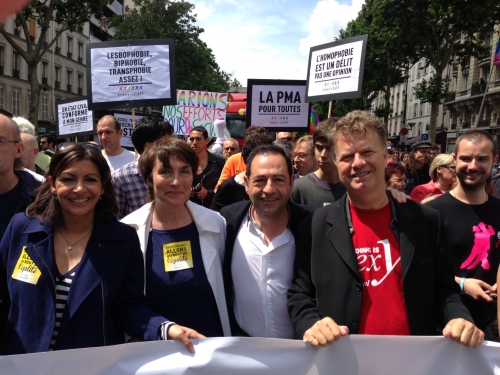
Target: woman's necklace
70, 246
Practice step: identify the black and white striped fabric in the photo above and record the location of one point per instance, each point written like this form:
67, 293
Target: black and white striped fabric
63, 284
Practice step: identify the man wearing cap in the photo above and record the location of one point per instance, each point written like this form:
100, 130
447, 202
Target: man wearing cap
417, 171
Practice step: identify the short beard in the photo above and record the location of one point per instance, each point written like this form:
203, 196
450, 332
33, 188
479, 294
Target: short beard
471, 187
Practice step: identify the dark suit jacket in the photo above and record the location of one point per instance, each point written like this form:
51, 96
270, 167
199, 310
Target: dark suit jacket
326, 278
106, 297
234, 215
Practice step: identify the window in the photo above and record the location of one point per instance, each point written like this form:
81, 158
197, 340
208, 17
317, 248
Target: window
2, 51
58, 74
69, 78
15, 61
418, 70
70, 44
16, 102
57, 40
80, 82
80, 49
45, 67
45, 107
2, 97
465, 81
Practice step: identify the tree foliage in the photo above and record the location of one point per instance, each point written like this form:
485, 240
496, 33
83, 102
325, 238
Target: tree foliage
195, 65
68, 14
440, 31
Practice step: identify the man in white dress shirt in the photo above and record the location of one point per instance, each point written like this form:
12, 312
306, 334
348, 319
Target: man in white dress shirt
260, 247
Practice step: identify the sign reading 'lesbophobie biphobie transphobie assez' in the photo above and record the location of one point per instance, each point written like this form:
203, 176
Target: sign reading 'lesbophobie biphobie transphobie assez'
131, 73
74, 118
335, 70
277, 105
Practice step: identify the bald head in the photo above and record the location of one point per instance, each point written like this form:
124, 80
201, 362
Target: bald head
11, 126
30, 151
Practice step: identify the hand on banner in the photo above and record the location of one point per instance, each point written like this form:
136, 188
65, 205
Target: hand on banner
202, 194
183, 335
464, 332
324, 332
397, 195
478, 289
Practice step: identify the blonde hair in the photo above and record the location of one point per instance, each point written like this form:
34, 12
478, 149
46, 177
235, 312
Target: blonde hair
358, 121
439, 161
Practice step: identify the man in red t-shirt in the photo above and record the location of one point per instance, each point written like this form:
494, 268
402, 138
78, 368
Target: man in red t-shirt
369, 265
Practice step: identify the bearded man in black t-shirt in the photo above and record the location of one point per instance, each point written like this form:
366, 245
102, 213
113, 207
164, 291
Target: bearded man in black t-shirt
472, 223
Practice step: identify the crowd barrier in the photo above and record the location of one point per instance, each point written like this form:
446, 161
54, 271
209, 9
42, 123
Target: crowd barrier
355, 354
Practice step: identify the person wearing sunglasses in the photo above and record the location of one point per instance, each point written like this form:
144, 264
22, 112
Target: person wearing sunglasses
443, 179
230, 147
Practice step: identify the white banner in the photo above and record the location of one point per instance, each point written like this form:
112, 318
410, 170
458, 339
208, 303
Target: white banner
353, 355
275, 106
130, 73
126, 124
74, 117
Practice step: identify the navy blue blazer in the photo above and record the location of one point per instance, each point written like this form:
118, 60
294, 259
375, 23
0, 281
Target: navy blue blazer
106, 297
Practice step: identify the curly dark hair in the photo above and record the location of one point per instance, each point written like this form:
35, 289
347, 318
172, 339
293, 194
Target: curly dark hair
253, 140
46, 206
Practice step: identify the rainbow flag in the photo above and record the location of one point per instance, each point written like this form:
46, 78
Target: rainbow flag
496, 58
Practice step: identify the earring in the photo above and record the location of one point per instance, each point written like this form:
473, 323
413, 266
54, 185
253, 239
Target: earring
100, 197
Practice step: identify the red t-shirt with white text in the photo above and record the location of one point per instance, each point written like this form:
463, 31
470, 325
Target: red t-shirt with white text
383, 308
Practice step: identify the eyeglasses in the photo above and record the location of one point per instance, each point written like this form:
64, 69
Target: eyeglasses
230, 149
399, 181
289, 139
450, 167
3, 142
300, 155
86, 145
43, 142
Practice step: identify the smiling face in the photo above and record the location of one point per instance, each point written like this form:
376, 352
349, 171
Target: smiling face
172, 184
474, 163
78, 189
361, 161
269, 185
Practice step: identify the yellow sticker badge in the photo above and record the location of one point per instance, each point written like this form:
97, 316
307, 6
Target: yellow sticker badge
26, 270
177, 256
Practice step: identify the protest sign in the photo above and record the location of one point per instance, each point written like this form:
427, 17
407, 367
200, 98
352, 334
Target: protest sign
74, 118
196, 108
277, 105
125, 120
335, 70
131, 73
356, 354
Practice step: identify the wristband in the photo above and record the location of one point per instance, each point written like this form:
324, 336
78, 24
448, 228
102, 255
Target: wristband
462, 282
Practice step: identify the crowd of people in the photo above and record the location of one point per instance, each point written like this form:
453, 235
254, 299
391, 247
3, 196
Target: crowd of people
313, 239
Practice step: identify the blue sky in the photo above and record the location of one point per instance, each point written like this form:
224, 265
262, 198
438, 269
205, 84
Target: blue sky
270, 39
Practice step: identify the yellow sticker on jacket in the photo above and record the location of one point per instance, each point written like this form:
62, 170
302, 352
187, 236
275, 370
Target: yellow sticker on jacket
177, 256
26, 270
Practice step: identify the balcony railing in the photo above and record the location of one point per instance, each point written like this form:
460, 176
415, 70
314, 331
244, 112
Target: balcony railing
57, 84
44, 80
477, 88
15, 73
69, 54
483, 123
80, 90
486, 55
465, 125
68, 87
58, 50
450, 97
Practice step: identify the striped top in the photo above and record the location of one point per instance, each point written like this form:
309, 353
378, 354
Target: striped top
63, 284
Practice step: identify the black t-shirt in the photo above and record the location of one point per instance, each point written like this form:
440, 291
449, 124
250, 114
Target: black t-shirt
9, 203
473, 233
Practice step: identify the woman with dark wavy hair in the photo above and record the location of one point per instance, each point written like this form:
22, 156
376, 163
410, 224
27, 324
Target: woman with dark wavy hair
71, 275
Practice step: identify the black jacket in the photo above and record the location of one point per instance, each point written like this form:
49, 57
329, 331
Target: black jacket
209, 178
234, 215
326, 279
28, 194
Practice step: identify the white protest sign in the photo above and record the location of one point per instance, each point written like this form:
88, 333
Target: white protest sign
196, 108
336, 70
277, 105
131, 73
125, 121
74, 117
